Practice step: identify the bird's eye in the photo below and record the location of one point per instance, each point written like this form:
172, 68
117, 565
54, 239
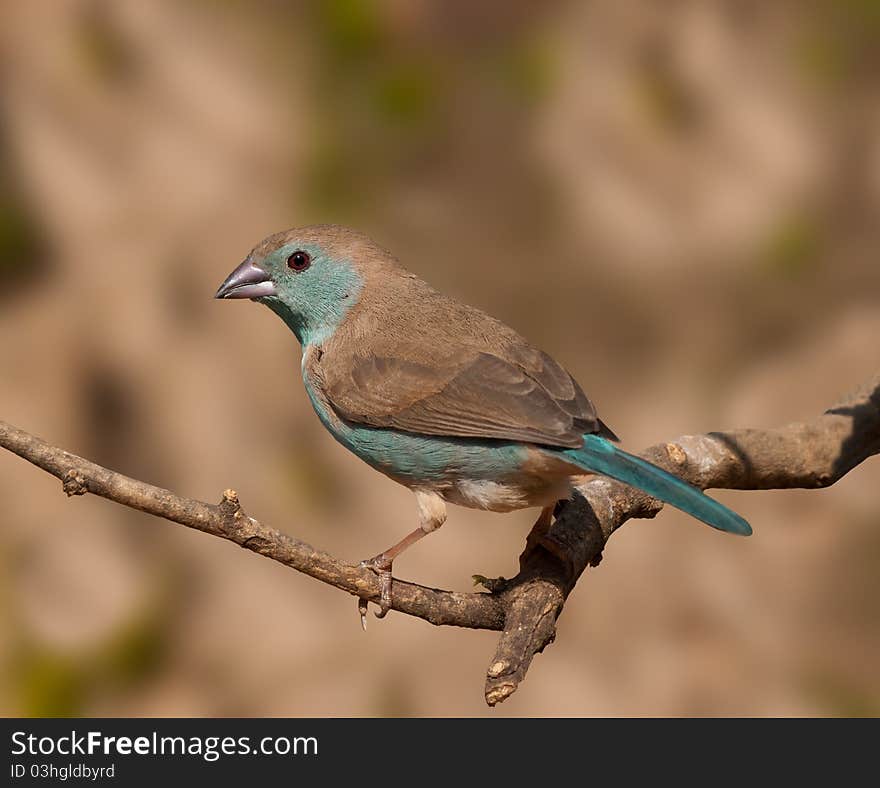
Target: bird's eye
299, 261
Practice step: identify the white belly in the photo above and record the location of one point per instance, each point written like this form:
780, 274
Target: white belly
505, 496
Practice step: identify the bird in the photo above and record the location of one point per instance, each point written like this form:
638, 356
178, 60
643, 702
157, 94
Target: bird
435, 394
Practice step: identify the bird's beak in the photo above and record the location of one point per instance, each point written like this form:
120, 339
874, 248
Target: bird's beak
246, 281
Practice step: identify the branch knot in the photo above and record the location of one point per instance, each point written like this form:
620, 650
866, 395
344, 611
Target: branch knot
74, 483
231, 513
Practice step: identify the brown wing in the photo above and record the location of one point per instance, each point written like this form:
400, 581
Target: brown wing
472, 394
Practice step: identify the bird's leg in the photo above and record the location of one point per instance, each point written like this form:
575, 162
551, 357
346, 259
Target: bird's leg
541, 526
381, 565
432, 514
545, 519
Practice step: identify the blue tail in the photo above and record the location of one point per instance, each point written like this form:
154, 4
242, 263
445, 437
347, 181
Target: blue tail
599, 455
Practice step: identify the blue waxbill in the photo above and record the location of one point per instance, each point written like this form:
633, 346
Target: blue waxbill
435, 394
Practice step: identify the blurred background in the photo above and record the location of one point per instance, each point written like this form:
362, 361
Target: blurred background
678, 200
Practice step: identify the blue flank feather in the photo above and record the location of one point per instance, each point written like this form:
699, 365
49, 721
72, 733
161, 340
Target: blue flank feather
601, 456
422, 459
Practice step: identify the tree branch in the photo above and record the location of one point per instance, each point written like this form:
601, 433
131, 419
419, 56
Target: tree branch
526, 607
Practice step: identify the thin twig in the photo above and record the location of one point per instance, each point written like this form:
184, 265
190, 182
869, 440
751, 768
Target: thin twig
525, 608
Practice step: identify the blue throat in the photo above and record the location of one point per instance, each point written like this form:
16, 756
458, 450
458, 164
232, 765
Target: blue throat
315, 304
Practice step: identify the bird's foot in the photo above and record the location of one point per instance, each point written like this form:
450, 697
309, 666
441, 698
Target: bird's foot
381, 565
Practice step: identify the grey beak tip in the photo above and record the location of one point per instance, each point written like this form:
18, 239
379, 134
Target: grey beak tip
246, 281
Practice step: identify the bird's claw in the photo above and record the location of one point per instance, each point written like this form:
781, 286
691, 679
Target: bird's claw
382, 567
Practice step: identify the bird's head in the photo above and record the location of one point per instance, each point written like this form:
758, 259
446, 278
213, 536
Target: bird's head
310, 276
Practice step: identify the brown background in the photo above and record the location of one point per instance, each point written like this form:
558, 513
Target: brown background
678, 200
